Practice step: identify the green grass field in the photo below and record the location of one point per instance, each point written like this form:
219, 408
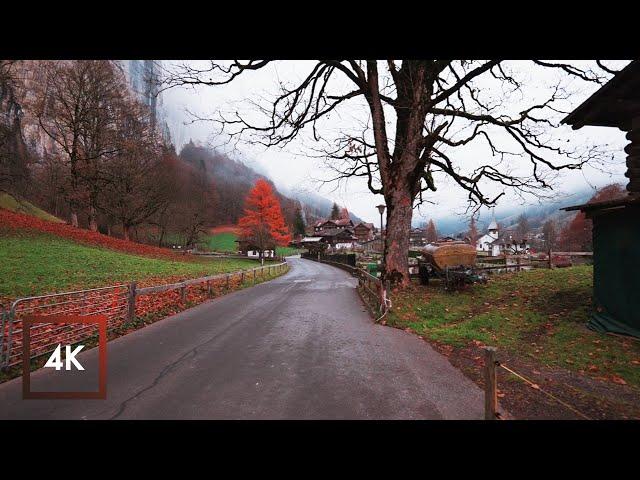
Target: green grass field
226, 242
539, 314
222, 242
40, 263
22, 206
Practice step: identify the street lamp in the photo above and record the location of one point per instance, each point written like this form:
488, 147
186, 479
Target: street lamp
381, 210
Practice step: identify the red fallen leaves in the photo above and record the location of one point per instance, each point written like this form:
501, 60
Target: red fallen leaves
618, 380
17, 221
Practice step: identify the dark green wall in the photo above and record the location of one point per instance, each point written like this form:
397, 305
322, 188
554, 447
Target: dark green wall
616, 271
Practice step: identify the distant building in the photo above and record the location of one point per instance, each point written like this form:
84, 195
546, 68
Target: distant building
510, 243
339, 224
364, 232
417, 237
251, 250
485, 242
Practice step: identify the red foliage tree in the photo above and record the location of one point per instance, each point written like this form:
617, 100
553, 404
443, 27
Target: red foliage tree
263, 224
577, 235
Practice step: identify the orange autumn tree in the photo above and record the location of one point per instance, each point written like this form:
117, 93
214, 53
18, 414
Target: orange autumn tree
263, 224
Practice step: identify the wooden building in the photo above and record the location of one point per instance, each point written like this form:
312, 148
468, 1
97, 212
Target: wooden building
616, 223
364, 232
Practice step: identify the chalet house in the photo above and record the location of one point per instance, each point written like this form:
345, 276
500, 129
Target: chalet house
339, 224
364, 232
417, 237
339, 238
314, 244
616, 223
251, 250
510, 243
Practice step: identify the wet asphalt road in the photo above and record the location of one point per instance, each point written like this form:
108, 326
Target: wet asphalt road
299, 347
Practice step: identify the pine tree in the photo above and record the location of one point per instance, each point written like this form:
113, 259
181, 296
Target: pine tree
432, 233
298, 222
335, 212
263, 223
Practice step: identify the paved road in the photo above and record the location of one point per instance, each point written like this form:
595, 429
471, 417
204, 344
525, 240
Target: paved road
299, 347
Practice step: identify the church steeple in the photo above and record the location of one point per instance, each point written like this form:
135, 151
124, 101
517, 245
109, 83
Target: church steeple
493, 226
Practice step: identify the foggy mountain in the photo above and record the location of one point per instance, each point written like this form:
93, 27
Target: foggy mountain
507, 216
232, 180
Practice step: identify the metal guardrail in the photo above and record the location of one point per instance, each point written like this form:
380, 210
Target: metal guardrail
117, 302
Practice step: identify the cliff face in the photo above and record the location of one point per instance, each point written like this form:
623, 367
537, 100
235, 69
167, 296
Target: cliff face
13, 151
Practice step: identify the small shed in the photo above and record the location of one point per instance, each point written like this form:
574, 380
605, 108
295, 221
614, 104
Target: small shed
616, 223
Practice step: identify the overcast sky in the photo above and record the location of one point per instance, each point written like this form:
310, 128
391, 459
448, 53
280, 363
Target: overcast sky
292, 168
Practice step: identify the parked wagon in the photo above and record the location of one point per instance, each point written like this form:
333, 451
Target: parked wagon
452, 261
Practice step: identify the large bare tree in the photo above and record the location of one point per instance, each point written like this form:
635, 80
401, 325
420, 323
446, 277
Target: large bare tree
137, 184
419, 114
74, 103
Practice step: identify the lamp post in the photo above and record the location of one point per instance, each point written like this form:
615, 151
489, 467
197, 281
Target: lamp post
381, 210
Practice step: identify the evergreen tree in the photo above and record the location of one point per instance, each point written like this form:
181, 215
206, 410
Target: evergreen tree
298, 223
335, 212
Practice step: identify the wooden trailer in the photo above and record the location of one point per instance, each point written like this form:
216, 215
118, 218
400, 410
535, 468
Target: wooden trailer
452, 261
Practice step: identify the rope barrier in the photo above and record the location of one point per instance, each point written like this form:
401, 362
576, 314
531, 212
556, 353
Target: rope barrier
535, 386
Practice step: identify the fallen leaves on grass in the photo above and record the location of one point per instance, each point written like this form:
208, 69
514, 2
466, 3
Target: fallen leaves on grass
16, 222
618, 380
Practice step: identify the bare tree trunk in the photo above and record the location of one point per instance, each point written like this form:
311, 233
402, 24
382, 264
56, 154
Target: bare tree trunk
74, 218
109, 230
93, 222
396, 243
126, 231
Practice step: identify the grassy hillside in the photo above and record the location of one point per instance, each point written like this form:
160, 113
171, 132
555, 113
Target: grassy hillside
222, 242
36, 264
22, 206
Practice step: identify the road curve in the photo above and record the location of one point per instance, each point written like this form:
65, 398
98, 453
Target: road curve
298, 347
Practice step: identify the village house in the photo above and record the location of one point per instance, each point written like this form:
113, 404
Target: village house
339, 238
364, 232
251, 250
510, 243
339, 224
314, 244
507, 243
417, 237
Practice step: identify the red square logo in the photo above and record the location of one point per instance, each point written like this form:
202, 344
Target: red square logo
100, 321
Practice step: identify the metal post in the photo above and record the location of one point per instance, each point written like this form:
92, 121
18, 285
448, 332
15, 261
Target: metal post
490, 384
183, 294
227, 282
254, 276
242, 278
209, 289
131, 312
